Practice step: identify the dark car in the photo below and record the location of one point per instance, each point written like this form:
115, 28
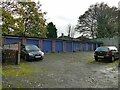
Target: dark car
107, 53
31, 52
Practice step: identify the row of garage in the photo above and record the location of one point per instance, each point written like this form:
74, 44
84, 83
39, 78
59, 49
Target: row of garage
50, 45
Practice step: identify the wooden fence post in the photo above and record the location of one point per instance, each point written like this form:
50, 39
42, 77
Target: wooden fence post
18, 58
80, 46
40, 43
53, 45
64, 46
87, 47
24, 40
97, 45
3, 41
73, 46
92, 46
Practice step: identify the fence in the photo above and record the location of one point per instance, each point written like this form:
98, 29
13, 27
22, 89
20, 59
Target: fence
54, 45
109, 41
11, 53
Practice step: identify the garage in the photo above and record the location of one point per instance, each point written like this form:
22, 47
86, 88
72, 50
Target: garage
89, 46
59, 46
32, 41
12, 40
69, 46
83, 46
94, 46
47, 45
76, 46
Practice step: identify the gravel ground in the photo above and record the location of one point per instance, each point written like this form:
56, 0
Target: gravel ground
61, 70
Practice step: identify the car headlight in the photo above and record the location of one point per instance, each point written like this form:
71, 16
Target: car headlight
30, 54
42, 53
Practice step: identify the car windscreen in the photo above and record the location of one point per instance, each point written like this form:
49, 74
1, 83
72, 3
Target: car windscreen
102, 49
32, 48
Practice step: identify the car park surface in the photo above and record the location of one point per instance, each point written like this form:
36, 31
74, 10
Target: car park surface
62, 70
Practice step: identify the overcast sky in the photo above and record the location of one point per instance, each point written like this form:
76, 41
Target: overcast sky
64, 12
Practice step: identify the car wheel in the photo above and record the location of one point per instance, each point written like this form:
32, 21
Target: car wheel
41, 58
26, 57
96, 59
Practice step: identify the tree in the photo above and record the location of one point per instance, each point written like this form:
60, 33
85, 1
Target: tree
107, 21
8, 21
87, 23
71, 31
99, 20
52, 31
23, 18
35, 24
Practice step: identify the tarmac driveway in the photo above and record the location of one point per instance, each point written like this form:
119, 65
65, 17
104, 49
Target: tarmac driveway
62, 70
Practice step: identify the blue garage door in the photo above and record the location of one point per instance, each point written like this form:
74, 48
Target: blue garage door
94, 46
68, 46
12, 40
31, 41
76, 46
83, 47
89, 47
59, 46
47, 46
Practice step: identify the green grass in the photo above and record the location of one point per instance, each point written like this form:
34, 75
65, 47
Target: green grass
0, 69
115, 63
20, 71
91, 61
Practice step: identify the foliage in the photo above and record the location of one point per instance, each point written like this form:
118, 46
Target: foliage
99, 20
52, 31
107, 24
23, 18
7, 19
